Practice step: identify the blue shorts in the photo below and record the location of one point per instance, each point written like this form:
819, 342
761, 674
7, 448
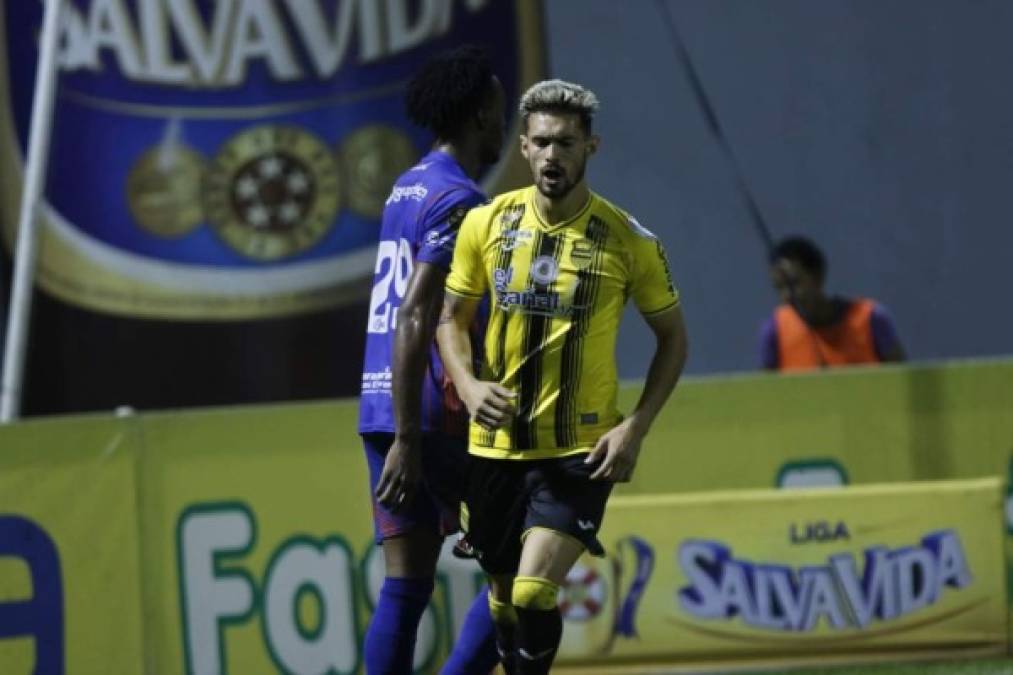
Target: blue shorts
437, 503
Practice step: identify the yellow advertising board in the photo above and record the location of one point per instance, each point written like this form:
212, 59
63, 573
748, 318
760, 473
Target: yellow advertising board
202, 542
70, 582
759, 574
259, 543
240, 541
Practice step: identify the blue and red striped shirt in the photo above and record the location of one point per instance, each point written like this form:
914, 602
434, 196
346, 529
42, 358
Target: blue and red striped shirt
420, 222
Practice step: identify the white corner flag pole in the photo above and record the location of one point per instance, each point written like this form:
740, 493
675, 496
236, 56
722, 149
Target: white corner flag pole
35, 178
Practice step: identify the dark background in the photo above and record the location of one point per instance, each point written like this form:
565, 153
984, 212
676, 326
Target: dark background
883, 129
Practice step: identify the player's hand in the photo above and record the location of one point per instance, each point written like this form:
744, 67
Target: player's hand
401, 475
617, 451
492, 406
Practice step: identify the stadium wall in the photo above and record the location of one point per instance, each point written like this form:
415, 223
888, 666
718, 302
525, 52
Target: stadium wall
874, 127
207, 541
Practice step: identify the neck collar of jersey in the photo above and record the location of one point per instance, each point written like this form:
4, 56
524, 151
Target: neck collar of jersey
563, 223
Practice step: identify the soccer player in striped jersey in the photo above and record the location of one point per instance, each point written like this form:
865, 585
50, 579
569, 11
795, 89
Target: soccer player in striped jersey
412, 426
548, 440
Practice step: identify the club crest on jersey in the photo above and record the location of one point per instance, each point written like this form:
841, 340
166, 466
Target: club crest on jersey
544, 270
581, 253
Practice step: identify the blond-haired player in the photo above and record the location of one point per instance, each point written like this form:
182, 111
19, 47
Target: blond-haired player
559, 263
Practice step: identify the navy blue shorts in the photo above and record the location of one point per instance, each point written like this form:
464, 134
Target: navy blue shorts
506, 498
436, 506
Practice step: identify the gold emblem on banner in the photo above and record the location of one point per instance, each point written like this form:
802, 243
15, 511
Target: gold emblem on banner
163, 190
272, 191
372, 158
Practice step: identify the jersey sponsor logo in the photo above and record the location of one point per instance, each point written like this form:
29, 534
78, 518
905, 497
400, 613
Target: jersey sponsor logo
377, 382
255, 143
417, 192
502, 277
435, 240
532, 301
511, 239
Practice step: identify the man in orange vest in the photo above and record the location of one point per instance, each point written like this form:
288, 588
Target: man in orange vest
812, 330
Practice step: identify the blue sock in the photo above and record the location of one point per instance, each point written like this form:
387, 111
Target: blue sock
390, 640
474, 652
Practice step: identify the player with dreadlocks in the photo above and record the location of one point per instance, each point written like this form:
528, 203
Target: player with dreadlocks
412, 425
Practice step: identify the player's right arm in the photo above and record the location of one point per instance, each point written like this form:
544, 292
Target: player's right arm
402, 469
489, 404
416, 328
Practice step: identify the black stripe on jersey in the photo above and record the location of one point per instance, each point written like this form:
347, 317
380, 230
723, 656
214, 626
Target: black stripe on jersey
509, 222
536, 328
588, 282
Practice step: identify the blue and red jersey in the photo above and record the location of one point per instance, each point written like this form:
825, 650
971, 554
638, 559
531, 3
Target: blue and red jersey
420, 222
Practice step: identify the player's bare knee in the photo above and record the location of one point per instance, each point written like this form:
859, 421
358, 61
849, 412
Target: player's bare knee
548, 554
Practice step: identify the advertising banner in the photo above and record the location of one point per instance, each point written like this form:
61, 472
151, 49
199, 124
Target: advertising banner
233, 541
70, 575
240, 541
259, 543
748, 575
216, 159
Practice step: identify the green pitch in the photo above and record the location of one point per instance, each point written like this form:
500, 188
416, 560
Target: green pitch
976, 667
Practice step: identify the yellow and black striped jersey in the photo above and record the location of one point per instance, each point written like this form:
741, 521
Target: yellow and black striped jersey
558, 293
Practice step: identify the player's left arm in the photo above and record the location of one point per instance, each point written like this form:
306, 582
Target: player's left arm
619, 448
657, 299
